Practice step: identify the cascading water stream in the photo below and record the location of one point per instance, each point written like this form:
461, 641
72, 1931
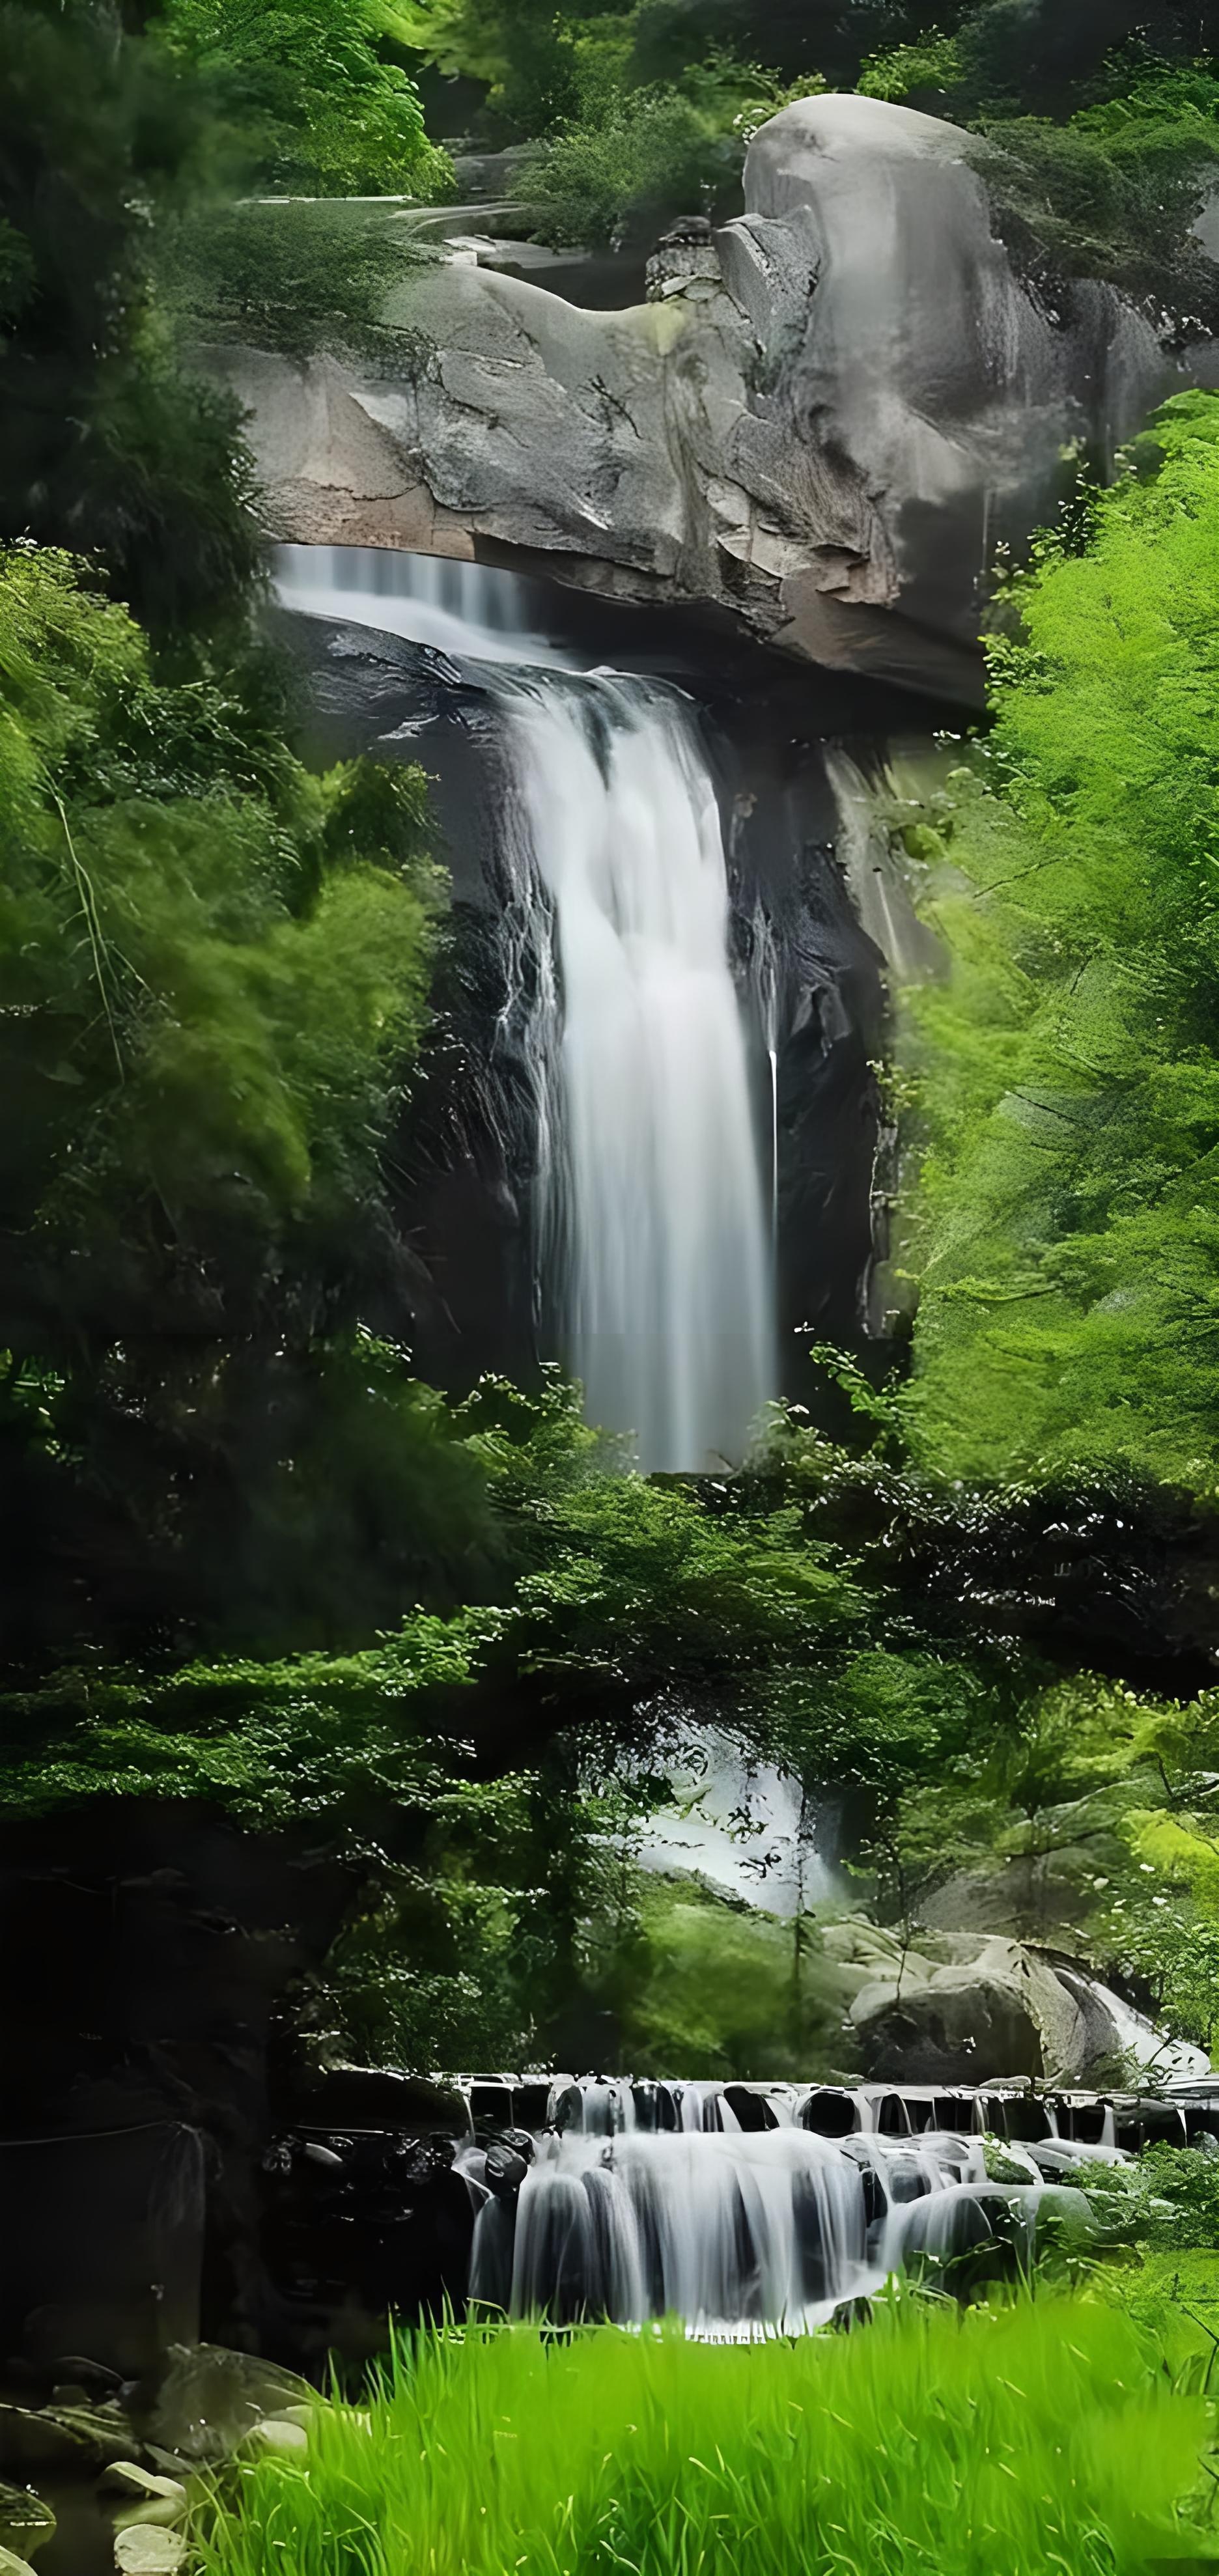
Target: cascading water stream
760, 2212
656, 1209
653, 1223
739, 2231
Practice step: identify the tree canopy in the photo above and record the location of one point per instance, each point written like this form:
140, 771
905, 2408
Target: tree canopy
213, 977
322, 109
1066, 1237
108, 444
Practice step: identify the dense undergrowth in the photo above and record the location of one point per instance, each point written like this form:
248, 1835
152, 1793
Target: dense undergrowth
1099, 124
1046, 2434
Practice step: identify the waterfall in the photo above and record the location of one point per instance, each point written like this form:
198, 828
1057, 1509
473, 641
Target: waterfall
739, 2231
724, 2231
752, 2207
473, 612
652, 1214
657, 1207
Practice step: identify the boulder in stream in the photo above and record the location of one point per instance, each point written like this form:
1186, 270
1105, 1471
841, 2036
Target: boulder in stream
967, 2009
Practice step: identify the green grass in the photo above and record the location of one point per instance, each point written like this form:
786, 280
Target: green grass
1045, 2438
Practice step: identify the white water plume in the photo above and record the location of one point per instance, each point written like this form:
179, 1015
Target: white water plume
653, 1226
725, 2231
656, 1211
473, 612
741, 2232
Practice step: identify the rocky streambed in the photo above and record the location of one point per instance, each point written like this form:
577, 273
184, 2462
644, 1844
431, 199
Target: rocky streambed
108, 2473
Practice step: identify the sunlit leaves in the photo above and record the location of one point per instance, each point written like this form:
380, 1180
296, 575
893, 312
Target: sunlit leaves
1068, 1223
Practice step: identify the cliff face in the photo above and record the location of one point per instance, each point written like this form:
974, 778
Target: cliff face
465, 1161
822, 420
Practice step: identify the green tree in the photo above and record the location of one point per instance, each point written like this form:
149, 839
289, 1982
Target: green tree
1067, 1221
105, 445
213, 977
631, 157
325, 112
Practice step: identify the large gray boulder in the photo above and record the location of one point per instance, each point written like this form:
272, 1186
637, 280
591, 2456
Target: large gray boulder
823, 419
962, 2009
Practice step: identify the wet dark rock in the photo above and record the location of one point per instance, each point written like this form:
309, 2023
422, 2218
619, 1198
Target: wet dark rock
361, 2097
209, 2399
386, 2227
156, 1959
26, 2523
505, 2170
40, 2441
106, 2245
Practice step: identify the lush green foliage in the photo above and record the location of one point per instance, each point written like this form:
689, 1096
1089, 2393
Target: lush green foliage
1046, 2434
625, 1594
279, 274
325, 112
1067, 1230
1084, 1820
632, 155
104, 444
1168, 2200
528, 52
694, 1985
212, 979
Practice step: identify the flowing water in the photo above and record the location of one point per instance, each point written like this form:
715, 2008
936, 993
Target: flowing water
730, 2206
653, 1220
656, 1207
473, 612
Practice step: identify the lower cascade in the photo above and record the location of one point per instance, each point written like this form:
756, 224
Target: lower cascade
644, 2201
652, 1215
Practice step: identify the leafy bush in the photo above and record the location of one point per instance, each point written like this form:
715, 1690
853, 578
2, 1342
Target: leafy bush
213, 977
1011, 57
105, 444
993, 2444
928, 74
1177, 2199
634, 157
1112, 200
286, 276
696, 1985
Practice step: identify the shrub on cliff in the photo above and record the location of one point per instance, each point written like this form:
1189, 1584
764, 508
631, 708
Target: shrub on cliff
632, 157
